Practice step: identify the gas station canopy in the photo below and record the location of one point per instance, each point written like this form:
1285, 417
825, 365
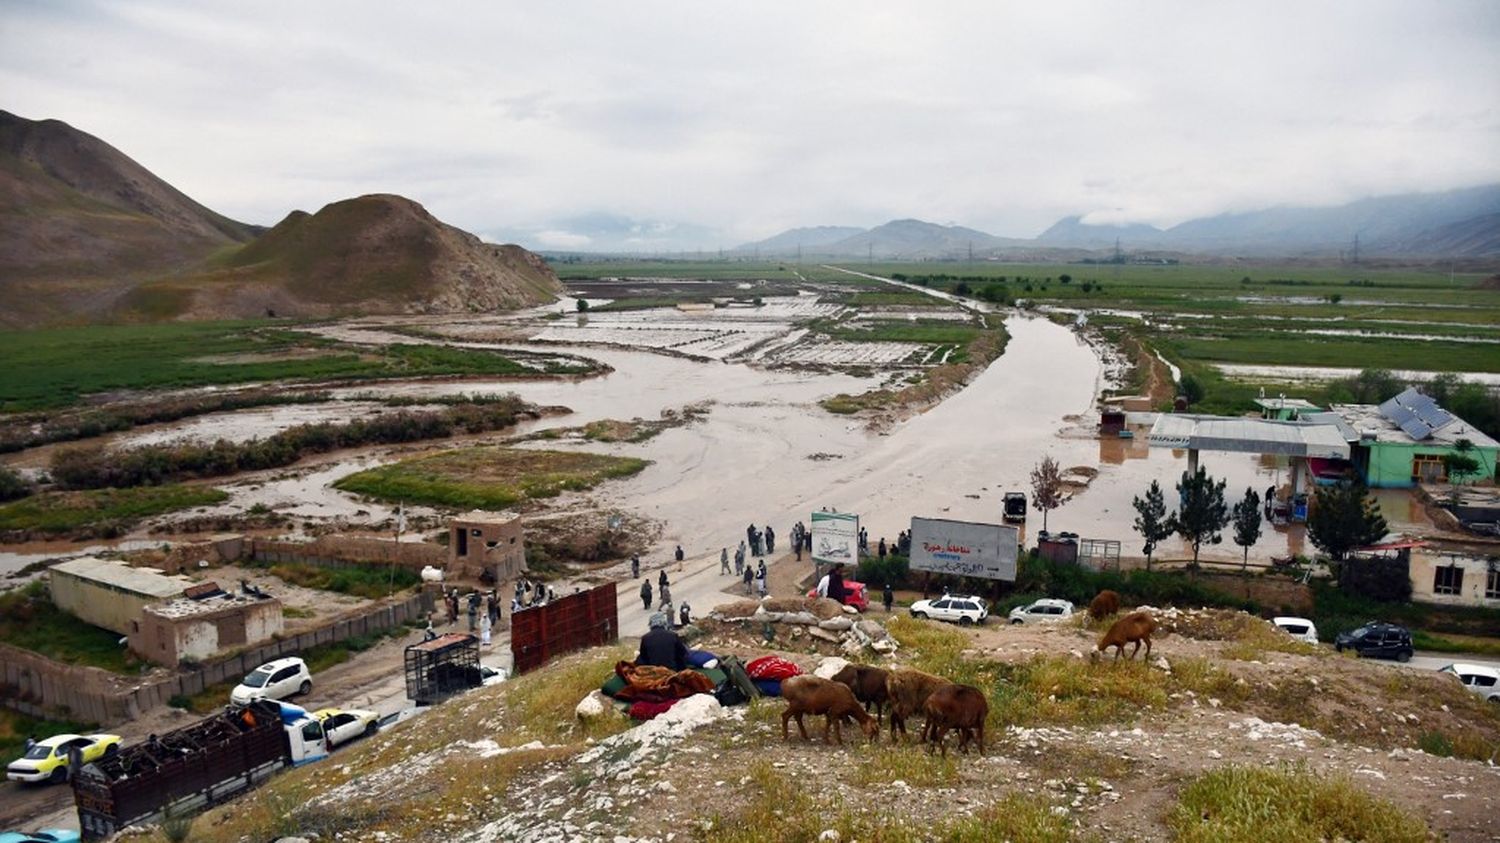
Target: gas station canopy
1247, 435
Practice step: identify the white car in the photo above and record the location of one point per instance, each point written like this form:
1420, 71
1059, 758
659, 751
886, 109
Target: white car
492, 675
1301, 629
275, 680
1045, 610
957, 608
344, 725
1482, 680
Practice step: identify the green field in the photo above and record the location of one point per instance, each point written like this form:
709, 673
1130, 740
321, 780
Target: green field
56, 367
29, 620
101, 509
488, 477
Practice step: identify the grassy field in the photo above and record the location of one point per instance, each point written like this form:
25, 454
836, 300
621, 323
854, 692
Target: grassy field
735, 270
101, 509
55, 367
488, 477
29, 620
373, 582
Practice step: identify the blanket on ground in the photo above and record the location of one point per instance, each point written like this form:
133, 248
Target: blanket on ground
654, 684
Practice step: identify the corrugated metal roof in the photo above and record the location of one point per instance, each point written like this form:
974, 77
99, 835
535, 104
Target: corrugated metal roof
147, 581
1246, 435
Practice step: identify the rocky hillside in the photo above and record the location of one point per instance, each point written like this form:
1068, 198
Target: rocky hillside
87, 233
1229, 726
372, 254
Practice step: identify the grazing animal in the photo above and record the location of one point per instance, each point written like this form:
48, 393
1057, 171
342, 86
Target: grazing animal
908, 691
808, 694
961, 707
1134, 627
868, 685
1104, 604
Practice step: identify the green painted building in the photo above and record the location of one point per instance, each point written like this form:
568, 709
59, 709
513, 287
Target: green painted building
1402, 442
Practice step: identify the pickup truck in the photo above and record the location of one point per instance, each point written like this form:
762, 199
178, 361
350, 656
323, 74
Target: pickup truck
196, 766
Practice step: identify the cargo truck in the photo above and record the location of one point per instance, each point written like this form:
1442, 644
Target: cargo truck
441, 667
198, 765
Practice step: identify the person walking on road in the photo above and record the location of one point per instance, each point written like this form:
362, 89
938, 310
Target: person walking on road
678, 554
739, 560
723, 560
646, 595
747, 575
661, 579
666, 600
635, 566
888, 597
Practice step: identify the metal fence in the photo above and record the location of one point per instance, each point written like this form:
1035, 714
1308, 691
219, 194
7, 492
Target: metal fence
1099, 554
586, 619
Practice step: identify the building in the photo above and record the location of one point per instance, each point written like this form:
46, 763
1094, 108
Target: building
1283, 408
109, 593
1402, 442
204, 623
1455, 580
487, 547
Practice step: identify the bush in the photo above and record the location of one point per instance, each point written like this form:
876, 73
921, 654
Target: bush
12, 485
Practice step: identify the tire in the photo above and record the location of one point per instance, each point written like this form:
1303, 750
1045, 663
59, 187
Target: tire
111, 750
305, 688
965, 620
59, 774
372, 728
1016, 622
921, 616
1404, 656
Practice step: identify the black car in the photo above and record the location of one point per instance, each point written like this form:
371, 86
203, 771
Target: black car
1378, 640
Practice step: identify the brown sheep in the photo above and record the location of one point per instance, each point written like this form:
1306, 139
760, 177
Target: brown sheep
814, 695
1136, 626
961, 707
868, 685
907, 690
1104, 604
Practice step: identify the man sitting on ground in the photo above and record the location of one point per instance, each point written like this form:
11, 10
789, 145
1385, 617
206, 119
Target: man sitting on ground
661, 646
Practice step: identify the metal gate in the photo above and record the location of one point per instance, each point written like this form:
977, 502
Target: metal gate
586, 619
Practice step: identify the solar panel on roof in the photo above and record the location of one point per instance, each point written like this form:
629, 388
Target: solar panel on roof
1417, 429
1398, 414
1434, 416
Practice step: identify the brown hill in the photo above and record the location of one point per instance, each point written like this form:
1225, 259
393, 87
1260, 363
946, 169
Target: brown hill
372, 254
80, 222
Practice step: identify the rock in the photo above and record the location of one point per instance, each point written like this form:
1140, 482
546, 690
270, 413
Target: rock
802, 618
829, 834
884, 645
823, 635
595, 706
850, 610
872, 629
1161, 663
836, 624
762, 616
830, 666
852, 645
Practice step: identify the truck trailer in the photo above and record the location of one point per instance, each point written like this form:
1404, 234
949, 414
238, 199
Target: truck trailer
196, 766
441, 667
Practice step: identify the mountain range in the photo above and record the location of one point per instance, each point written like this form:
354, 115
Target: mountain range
1454, 224
87, 233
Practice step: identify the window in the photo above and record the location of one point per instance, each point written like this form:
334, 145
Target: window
1481, 681
1492, 584
1427, 468
1449, 579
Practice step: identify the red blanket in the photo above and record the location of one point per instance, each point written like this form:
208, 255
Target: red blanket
656, 684
646, 710
772, 667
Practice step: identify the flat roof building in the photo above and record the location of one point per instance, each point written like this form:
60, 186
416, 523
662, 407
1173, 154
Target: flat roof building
109, 593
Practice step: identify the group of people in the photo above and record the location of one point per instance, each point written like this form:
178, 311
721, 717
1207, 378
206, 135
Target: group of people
529, 594
483, 611
664, 592
762, 542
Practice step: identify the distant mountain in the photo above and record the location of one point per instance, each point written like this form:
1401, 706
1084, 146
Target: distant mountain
373, 254
1458, 223
813, 238
907, 239
87, 233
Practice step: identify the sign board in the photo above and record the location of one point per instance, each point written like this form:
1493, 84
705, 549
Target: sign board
835, 538
964, 548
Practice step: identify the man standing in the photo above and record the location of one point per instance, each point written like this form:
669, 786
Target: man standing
661, 578
889, 597
678, 554
661, 646
748, 575
836, 583
646, 595
770, 540
723, 560
635, 566
666, 598
473, 610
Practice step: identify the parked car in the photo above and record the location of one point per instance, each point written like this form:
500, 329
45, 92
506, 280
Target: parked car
855, 595
1484, 528
275, 680
1301, 629
47, 760
1045, 610
51, 835
1482, 680
342, 726
963, 609
1377, 640
492, 675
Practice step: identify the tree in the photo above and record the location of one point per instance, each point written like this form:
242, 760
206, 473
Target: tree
1460, 463
1344, 517
1046, 487
1191, 389
583, 305
1247, 525
1202, 512
1151, 520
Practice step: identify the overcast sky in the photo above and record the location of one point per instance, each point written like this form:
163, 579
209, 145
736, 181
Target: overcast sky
590, 125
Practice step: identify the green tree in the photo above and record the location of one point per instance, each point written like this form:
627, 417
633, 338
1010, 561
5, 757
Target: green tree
1046, 487
13, 485
1344, 517
1151, 520
962, 288
1247, 525
1191, 389
1202, 512
583, 305
1459, 464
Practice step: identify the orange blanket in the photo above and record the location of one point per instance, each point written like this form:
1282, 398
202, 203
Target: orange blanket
651, 682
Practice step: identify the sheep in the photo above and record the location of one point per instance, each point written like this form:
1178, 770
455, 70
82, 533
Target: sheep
1104, 604
907, 690
961, 707
808, 694
1136, 626
868, 685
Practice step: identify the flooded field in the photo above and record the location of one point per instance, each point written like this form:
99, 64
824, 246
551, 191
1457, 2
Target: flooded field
1323, 374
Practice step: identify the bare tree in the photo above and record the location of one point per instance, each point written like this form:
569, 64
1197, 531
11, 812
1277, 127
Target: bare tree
1046, 487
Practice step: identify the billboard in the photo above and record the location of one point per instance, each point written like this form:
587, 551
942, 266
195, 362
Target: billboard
964, 548
835, 538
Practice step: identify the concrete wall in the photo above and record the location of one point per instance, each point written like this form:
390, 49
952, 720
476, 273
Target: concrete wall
350, 552
1474, 588
40, 687
95, 603
479, 545
1391, 463
168, 640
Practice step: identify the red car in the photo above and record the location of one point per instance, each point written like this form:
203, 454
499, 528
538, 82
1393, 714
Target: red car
854, 595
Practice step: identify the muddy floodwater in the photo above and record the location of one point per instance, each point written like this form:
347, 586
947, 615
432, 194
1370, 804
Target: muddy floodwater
766, 451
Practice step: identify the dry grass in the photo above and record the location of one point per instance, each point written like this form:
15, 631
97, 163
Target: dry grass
1254, 804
